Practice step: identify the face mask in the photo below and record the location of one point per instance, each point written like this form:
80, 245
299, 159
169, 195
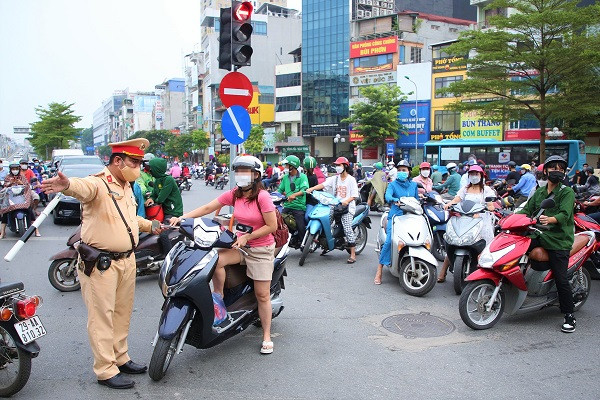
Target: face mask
243, 180
286, 170
542, 183
474, 179
37, 164
425, 173
402, 176
339, 169
556, 176
23, 166
14, 171
130, 174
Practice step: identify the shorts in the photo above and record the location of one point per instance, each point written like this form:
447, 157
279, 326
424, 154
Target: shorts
259, 262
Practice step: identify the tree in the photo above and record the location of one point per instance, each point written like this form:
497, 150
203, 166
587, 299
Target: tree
104, 151
200, 139
177, 146
533, 62
55, 128
255, 142
376, 119
157, 138
87, 138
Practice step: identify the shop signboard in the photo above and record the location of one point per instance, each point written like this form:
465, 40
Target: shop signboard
373, 79
374, 47
369, 153
522, 134
406, 136
448, 64
441, 135
474, 126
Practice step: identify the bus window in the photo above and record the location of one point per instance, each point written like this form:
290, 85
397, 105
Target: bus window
559, 150
432, 155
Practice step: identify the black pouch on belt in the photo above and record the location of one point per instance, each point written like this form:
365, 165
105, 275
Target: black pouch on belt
90, 256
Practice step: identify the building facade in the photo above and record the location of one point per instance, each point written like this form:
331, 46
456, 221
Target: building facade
104, 120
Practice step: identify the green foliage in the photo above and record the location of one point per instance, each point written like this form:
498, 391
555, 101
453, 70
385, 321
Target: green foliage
87, 138
415, 171
200, 139
223, 159
540, 61
282, 136
158, 140
177, 146
55, 128
377, 118
255, 142
104, 151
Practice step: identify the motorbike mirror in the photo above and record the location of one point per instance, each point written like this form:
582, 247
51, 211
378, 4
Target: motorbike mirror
490, 199
548, 203
420, 185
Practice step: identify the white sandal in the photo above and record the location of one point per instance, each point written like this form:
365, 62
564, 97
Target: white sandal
267, 347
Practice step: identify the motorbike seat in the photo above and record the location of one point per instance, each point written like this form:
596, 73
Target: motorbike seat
540, 254
360, 208
7, 288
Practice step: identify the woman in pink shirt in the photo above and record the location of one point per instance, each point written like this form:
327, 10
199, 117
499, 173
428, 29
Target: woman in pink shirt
252, 206
424, 178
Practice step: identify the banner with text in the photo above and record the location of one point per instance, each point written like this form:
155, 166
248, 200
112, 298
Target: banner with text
374, 47
474, 126
406, 136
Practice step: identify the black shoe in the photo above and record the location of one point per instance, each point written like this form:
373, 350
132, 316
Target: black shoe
117, 382
569, 325
132, 368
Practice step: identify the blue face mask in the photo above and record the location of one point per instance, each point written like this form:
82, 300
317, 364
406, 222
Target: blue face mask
402, 176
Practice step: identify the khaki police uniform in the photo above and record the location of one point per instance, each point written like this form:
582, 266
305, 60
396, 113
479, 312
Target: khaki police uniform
108, 295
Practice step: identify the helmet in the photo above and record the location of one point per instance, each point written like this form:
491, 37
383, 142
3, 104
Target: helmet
512, 164
269, 163
359, 165
555, 160
476, 168
378, 165
342, 160
23, 161
293, 161
148, 156
589, 169
310, 162
403, 163
224, 165
526, 167
450, 166
13, 165
435, 167
424, 165
390, 163
248, 162
540, 167
507, 202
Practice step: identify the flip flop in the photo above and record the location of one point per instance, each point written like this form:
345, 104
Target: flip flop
266, 348
441, 280
351, 261
377, 282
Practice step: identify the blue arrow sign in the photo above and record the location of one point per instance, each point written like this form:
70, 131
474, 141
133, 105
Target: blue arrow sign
236, 124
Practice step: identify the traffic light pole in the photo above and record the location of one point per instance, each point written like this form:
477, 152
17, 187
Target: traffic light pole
232, 154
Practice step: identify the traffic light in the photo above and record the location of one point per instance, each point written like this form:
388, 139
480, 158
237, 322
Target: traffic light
225, 39
241, 33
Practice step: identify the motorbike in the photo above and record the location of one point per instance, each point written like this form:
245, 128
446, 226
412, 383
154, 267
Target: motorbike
464, 241
149, 256
20, 327
437, 217
413, 264
278, 199
184, 183
222, 181
364, 190
321, 234
210, 179
14, 203
584, 223
188, 309
198, 174
507, 282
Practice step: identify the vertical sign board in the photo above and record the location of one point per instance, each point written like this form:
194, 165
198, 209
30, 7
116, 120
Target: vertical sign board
390, 149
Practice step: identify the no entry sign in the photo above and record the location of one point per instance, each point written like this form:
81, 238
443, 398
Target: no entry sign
236, 90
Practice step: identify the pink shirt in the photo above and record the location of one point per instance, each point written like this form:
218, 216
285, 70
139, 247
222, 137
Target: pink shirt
427, 182
248, 213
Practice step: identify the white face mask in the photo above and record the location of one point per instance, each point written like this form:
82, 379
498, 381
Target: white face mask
474, 179
23, 166
542, 183
243, 180
339, 169
14, 171
286, 170
425, 173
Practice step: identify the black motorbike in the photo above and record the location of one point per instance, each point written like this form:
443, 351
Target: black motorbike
188, 310
184, 183
14, 203
20, 327
149, 256
222, 181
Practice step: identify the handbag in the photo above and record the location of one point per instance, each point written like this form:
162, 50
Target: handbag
282, 232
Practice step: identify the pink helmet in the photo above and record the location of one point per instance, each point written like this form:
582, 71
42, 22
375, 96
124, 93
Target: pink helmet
476, 168
425, 165
540, 167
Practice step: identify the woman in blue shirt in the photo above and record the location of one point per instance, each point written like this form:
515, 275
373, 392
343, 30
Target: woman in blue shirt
401, 187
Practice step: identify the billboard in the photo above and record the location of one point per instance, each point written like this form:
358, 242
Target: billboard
474, 126
406, 136
260, 113
374, 47
448, 64
373, 79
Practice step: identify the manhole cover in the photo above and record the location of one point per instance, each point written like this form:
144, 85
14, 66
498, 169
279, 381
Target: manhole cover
422, 325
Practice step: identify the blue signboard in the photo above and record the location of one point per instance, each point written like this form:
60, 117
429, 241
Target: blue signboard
390, 149
407, 120
236, 124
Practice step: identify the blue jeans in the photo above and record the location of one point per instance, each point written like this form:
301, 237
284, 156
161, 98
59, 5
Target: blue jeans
385, 255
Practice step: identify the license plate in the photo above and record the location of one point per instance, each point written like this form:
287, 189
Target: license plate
30, 329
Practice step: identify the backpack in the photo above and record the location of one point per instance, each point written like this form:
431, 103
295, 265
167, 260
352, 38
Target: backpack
282, 232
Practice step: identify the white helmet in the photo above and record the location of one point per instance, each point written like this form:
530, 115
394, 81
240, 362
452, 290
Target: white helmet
450, 166
148, 156
248, 162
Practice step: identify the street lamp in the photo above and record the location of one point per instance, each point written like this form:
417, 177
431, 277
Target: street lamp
339, 139
555, 133
416, 114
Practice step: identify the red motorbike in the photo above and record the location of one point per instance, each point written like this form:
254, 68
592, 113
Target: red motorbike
583, 223
506, 280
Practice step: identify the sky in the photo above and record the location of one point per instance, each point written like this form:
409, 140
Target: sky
80, 51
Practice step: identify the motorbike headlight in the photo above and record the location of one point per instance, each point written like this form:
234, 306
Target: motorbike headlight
489, 258
169, 290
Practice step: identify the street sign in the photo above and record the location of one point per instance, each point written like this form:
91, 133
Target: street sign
236, 124
235, 90
390, 149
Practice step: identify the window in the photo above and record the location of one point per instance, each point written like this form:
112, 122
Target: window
266, 98
435, 27
453, 30
415, 54
446, 121
354, 91
259, 28
373, 61
444, 83
288, 103
287, 80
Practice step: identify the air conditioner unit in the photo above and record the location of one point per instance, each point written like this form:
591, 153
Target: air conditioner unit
369, 2
376, 11
367, 14
360, 13
362, 1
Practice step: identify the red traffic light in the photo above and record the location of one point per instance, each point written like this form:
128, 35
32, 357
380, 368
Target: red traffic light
243, 11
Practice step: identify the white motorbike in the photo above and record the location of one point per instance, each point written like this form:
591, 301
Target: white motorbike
412, 262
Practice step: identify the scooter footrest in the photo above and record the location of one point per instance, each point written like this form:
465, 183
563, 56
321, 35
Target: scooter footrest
233, 318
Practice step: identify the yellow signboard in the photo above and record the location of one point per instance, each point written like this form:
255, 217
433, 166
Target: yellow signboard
474, 126
260, 113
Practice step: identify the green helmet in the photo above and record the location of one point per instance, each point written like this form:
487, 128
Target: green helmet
310, 162
378, 165
292, 160
359, 165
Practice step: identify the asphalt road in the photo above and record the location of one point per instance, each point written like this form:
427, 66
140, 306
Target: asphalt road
329, 340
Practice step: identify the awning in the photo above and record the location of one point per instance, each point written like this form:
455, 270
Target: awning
592, 149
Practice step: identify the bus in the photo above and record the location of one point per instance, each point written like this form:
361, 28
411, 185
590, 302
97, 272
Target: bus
497, 154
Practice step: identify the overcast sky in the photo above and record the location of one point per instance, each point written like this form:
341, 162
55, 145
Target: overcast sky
80, 51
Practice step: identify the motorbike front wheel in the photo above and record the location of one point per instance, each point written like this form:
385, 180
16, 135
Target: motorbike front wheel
62, 275
20, 226
163, 353
307, 246
439, 250
15, 365
420, 281
460, 271
472, 303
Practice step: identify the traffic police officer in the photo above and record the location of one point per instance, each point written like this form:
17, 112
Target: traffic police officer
108, 294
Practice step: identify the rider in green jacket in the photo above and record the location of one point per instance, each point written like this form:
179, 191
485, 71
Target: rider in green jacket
452, 182
165, 191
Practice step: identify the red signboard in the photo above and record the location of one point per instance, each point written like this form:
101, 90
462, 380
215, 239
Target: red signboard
374, 47
236, 90
525, 134
355, 136
369, 153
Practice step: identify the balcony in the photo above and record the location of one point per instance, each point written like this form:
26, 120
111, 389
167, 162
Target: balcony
480, 2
